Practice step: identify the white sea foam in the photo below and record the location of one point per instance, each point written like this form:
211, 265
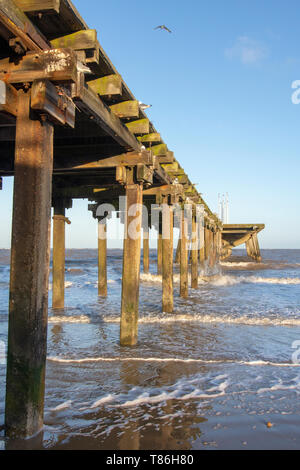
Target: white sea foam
227, 280
62, 406
211, 319
168, 360
69, 319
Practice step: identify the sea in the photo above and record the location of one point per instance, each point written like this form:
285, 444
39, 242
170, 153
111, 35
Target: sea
221, 372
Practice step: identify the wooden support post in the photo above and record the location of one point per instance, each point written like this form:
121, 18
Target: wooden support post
201, 244
102, 258
29, 274
207, 243
58, 271
146, 249
131, 265
256, 246
177, 256
184, 266
194, 253
167, 259
212, 258
159, 250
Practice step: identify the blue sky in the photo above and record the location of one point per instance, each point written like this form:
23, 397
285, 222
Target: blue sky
220, 87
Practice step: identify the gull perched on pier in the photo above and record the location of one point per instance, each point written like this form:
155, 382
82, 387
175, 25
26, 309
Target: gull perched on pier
163, 27
82, 68
144, 106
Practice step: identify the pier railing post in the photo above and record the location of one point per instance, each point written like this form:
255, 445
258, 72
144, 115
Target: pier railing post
131, 265
183, 257
29, 274
167, 258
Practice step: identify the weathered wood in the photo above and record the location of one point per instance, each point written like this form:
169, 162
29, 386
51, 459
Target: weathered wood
159, 150
125, 159
8, 99
159, 251
57, 65
80, 40
30, 253
184, 283
201, 243
177, 255
111, 85
146, 249
47, 99
19, 25
126, 109
102, 258
167, 259
144, 174
153, 137
163, 159
39, 6
141, 126
58, 254
131, 266
89, 102
194, 254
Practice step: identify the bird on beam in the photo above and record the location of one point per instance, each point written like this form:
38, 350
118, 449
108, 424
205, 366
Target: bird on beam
163, 27
144, 106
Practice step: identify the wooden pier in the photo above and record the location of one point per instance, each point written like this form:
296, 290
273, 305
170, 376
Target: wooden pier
234, 235
71, 128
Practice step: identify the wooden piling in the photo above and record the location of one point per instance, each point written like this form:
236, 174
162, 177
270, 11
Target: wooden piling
102, 258
177, 255
167, 259
184, 289
58, 270
29, 273
194, 253
201, 243
131, 266
146, 249
159, 251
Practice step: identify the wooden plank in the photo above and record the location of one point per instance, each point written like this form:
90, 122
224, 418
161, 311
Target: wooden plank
162, 159
153, 137
144, 174
18, 25
38, 6
8, 99
142, 126
126, 109
89, 102
45, 98
111, 85
58, 65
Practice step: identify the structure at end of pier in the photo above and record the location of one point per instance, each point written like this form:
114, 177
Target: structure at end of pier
234, 235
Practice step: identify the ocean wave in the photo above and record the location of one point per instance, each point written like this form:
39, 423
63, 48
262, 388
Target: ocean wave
241, 320
69, 319
86, 360
67, 285
227, 280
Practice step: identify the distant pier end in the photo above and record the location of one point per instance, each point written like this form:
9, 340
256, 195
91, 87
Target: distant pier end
234, 235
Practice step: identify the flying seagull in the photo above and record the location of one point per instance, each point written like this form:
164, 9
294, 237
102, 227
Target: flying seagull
163, 27
144, 106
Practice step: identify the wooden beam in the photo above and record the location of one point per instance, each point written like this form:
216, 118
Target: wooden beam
85, 40
81, 40
45, 98
58, 65
18, 24
142, 126
111, 85
126, 109
89, 102
167, 259
8, 99
39, 6
161, 149
125, 159
154, 137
